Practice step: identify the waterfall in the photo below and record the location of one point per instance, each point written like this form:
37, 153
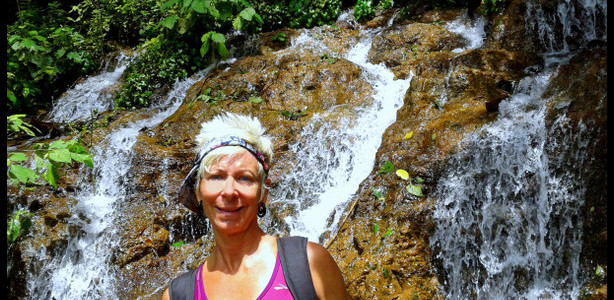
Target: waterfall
92, 96
336, 151
83, 270
508, 214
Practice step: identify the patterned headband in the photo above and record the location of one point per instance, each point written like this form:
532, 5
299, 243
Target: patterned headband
187, 197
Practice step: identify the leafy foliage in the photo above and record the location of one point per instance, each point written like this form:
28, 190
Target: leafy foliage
43, 57
386, 168
189, 36
48, 158
17, 225
311, 13
16, 126
365, 10
491, 7
297, 13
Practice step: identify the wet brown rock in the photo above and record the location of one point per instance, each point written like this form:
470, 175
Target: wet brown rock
382, 247
578, 92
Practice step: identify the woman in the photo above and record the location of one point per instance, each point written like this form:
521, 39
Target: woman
229, 186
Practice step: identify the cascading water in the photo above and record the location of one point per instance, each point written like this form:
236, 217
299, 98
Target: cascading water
336, 152
508, 217
90, 97
83, 270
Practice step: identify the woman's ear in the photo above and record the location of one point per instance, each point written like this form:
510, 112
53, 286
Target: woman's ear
197, 191
265, 197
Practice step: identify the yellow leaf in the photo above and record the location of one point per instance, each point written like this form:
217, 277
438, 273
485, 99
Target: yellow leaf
408, 136
403, 174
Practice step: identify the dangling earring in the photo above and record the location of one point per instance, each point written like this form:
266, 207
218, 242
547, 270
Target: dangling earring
261, 210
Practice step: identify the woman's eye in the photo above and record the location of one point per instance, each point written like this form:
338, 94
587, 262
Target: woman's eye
215, 177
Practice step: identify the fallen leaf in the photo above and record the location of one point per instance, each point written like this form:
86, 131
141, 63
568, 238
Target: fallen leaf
403, 174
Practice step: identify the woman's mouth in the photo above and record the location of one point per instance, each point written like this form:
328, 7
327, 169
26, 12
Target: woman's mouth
228, 211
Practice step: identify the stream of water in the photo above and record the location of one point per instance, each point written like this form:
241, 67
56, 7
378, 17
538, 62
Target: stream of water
83, 270
507, 226
508, 218
336, 152
92, 96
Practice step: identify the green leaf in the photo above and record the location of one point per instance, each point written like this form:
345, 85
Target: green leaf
386, 168
414, 190
218, 37
178, 244
24, 175
237, 24
20, 222
75, 148
199, 6
599, 271
256, 100
13, 228
247, 13
169, 22
204, 48
50, 175
17, 157
59, 144
60, 155
375, 229
222, 51
82, 158
377, 193
169, 4
11, 96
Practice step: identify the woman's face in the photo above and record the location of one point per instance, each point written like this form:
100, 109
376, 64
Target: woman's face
230, 193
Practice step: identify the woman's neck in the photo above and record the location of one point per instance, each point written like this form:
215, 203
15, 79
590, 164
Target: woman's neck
231, 250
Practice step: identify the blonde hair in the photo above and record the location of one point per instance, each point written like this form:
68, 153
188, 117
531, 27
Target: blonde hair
247, 128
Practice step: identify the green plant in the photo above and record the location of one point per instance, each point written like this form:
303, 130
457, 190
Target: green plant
491, 7
136, 91
293, 115
209, 16
377, 193
363, 10
48, 158
19, 224
275, 14
280, 38
16, 126
415, 187
44, 55
311, 13
386, 168
255, 99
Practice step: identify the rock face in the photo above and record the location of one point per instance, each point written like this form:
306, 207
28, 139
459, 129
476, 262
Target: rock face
382, 245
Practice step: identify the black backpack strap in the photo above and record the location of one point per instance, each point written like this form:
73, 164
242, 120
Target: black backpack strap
182, 287
293, 258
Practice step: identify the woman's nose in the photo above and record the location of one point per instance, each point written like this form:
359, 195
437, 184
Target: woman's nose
229, 187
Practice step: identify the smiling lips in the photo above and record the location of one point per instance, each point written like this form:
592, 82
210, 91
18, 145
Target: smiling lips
228, 211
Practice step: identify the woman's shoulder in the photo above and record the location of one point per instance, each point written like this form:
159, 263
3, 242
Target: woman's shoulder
326, 275
319, 257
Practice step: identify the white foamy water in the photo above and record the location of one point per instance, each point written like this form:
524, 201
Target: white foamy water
336, 149
472, 30
84, 270
509, 216
92, 96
